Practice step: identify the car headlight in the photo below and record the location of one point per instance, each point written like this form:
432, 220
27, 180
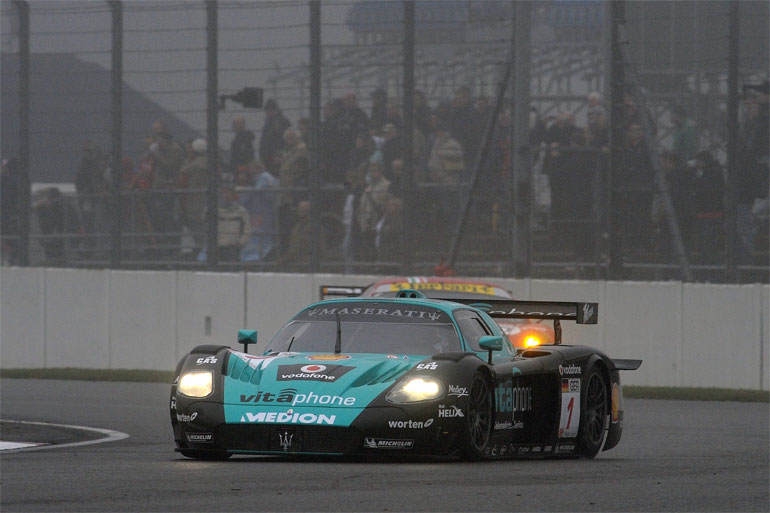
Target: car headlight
415, 389
196, 384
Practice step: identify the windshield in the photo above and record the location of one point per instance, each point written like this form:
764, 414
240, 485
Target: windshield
369, 328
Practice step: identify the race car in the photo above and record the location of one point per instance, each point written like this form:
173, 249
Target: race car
522, 333
405, 375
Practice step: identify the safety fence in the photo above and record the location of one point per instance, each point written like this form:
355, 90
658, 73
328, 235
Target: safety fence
639, 128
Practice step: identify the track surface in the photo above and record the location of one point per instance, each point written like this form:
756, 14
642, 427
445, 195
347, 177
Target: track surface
674, 456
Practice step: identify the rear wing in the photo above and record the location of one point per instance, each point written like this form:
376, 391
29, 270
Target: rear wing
327, 291
581, 313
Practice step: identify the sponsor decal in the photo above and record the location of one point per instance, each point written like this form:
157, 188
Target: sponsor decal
284, 440
569, 370
181, 417
503, 425
471, 288
329, 357
566, 448
513, 399
503, 449
392, 357
523, 450
427, 366
452, 411
173, 402
518, 425
288, 417
290, 395
615, 403
588, 311
431, 315
410, 424
547, 448
208, 359
458, 391
570, 385
388, 443
200, 437
569, 421
495, 450
537, 448
324, 373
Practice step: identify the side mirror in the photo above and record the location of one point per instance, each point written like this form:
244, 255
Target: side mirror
491, 343
247, 337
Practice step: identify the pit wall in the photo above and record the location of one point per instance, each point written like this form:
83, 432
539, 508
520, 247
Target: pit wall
693, 335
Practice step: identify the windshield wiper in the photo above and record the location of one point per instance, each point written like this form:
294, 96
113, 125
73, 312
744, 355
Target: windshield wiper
290, 343
338, 344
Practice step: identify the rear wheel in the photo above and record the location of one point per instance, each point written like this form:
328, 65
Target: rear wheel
478, 422
593, 414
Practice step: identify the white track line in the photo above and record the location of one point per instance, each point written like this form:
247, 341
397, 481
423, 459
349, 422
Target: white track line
112, 436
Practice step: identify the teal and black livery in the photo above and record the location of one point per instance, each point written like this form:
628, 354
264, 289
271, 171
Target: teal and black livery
402, 376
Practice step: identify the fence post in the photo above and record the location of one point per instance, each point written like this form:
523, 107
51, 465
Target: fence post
315, 128
731, 228
523, 183
24, 203
116, 6
407, 177
212, 133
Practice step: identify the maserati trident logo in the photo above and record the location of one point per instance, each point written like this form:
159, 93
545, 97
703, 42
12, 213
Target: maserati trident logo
285, 440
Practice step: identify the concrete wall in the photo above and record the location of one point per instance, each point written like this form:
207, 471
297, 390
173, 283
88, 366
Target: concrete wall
687, 334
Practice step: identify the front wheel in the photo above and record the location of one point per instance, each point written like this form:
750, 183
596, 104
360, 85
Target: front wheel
593, 414
478, 422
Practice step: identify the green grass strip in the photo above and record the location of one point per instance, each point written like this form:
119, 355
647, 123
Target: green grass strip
636, 392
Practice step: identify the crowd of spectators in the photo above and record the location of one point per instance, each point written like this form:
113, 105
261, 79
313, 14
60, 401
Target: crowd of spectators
265, 214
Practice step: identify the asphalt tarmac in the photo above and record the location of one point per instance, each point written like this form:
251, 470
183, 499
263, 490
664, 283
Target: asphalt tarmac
674, 456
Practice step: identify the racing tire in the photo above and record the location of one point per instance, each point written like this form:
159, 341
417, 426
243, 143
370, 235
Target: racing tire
478, 421
206, 455
593, 414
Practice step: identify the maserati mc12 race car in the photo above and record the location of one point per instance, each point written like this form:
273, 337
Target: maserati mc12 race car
398, 376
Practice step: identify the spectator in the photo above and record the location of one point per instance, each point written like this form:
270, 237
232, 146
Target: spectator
194, 180
633, 192
596, 132
298, 252
595, 99
233, 225
354, 188
393, 114
242, 147
392, 148
463, 125
379, 106
371, 206
9, 211
355, 120
446, 163
333, 137
293, 173
55, 217
751, 175
388, 231
685, 139
706, 186
303, 126
422, 113
271, 142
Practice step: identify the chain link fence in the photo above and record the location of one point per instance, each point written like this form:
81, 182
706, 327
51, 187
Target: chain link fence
420, 158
